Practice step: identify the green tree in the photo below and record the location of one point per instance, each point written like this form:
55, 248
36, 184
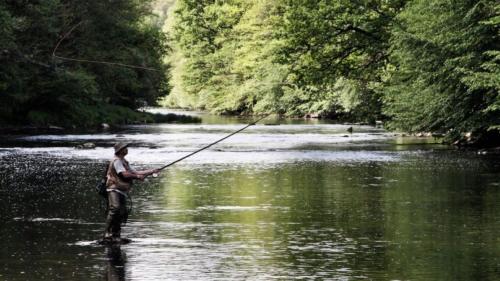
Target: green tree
335, 51
444, 68
424, 65
293, 57
203, 33
38, 89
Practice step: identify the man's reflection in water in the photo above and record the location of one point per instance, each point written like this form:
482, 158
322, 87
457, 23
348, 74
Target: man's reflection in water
115, 270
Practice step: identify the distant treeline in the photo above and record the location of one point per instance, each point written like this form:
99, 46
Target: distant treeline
39, 89
420, 65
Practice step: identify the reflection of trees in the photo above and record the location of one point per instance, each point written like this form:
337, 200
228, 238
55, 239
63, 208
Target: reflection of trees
385, 220
307, 206
333, 206
435, 221
115, 269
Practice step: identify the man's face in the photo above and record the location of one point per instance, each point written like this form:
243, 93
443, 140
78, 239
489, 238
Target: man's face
122, 152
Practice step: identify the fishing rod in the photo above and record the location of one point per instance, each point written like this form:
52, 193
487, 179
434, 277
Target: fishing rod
154, 175
209, 145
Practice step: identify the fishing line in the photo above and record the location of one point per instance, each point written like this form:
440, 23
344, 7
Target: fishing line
54, 56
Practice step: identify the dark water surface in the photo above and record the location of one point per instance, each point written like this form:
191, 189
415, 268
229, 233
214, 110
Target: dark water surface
298, 201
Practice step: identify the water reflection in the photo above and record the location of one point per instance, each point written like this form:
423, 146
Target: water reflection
116, 260
311, 210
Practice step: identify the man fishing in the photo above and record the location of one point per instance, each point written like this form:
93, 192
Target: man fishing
119, 182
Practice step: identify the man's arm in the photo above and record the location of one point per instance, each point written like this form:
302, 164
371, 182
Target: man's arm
148, 172
132, 175
140, 175
129, 173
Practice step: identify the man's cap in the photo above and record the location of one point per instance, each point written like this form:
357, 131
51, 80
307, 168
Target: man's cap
119, 146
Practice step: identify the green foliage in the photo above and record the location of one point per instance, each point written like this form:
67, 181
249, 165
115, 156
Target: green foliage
445, 74
289, 57
203, 30
329, 39
226, 47
424, 65
37, 89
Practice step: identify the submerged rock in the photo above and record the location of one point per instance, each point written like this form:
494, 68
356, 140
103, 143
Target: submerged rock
87, 145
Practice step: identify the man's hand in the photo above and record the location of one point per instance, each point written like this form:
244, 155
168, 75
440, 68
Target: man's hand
141, 175
153, 171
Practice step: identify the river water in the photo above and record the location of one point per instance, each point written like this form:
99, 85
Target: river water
295, 200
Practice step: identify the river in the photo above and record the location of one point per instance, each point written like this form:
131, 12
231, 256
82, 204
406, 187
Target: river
295, 200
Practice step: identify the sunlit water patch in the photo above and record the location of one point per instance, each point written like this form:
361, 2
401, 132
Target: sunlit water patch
254, 138
160, 156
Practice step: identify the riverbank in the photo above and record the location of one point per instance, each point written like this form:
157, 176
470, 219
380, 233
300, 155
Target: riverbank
117, 117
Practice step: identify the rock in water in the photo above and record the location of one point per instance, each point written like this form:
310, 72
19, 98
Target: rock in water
87, 145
